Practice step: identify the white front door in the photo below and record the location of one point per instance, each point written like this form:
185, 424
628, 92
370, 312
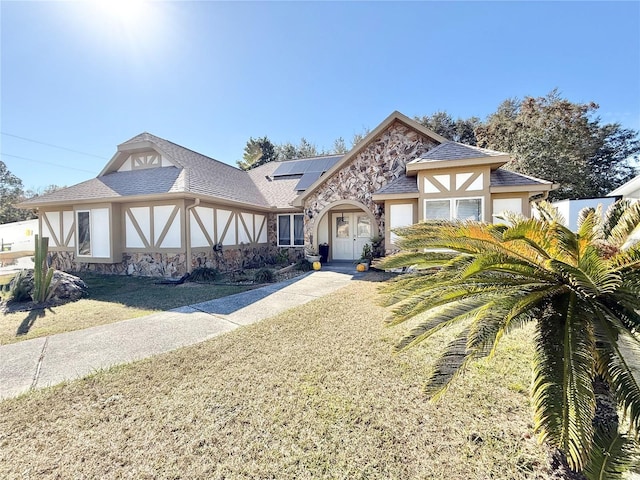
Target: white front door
350, 232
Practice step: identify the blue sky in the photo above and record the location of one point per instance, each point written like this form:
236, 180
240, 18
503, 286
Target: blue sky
88, 75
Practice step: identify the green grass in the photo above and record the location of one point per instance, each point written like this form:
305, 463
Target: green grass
314, 393
111, 299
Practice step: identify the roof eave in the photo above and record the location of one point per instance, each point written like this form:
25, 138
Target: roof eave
533, 189
380, 197
147, 198
493, 162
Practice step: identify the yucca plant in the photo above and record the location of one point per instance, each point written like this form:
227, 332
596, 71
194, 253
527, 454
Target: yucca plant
582, 291
42, 274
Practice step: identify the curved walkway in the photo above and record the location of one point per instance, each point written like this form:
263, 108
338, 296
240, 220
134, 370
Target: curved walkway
46, 361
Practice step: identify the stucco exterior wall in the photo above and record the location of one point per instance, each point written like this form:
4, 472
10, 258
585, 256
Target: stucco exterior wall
378, 163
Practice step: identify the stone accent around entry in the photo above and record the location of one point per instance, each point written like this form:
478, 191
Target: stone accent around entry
378, 163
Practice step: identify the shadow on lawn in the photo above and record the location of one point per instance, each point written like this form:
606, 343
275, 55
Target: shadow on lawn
29, 320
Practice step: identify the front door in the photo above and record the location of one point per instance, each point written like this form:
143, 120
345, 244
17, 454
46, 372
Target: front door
350, 232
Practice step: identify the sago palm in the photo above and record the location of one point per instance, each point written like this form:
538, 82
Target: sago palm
582, 291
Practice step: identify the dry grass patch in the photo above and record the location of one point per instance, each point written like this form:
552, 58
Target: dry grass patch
312, 393
111, 298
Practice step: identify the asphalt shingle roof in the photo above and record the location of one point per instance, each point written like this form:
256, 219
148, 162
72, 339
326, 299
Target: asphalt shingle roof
278, 192
194, 174
506, 178
455, 151
498, 178
120, 184
401, 184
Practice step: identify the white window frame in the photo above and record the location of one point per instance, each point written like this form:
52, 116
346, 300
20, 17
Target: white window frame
453, 206
291, 230
95, 242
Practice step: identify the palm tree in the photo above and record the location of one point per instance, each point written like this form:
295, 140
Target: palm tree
582, 291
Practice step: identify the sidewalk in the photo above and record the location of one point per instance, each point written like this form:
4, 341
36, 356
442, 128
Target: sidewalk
42, 362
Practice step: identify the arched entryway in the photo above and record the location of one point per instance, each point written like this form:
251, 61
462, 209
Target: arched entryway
346, 226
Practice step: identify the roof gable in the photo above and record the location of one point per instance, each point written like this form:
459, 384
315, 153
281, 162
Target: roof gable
349, 156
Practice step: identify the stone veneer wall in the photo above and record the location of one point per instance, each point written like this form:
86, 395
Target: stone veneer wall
380, 162
174, 265
142, 264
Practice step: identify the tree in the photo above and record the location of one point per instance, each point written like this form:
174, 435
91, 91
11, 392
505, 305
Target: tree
582, 292
305, 149
11, 192
460, 130
358, 137
339, 146
257, 151
552, 138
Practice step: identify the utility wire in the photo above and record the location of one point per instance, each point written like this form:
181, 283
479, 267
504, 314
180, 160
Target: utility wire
52, 145
46, 163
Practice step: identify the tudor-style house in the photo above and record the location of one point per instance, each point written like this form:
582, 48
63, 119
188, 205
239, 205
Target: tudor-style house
158, 208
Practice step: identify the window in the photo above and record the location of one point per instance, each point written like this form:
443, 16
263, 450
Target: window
93, 233
84, 234
290, 230
453, 209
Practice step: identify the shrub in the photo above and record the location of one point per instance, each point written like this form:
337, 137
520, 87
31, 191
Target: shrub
303, 265
264, 275
204, 274
282, 257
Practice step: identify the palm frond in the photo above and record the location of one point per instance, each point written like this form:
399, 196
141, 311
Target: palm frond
418, 259
612, 217
590, 224
438, 318
612, 362
612, 455
548, 212
626, 223
593, 279
564, 401
449, 365
533, 233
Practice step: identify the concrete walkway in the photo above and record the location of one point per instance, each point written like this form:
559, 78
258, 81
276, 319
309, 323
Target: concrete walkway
46, 361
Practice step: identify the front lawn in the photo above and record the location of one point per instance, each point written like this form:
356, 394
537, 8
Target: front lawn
111, 298
312, 393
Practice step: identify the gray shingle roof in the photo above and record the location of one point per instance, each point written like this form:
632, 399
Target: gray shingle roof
401, 184
499, 178
455, 151
278, 192
506, 178
207, 176
120, 184
195, 174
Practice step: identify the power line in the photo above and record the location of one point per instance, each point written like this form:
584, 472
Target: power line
52, 145
46, 163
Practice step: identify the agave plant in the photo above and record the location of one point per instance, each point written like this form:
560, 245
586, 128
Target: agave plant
582, 291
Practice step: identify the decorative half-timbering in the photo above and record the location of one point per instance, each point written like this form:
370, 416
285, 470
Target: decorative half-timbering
161, 209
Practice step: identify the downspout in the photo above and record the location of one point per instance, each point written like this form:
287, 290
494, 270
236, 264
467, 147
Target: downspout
187, 236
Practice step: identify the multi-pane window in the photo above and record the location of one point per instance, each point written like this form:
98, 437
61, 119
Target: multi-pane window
290, 230
453, 209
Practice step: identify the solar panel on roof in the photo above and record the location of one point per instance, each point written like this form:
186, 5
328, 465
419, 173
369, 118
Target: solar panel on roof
283, 169
307, 180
